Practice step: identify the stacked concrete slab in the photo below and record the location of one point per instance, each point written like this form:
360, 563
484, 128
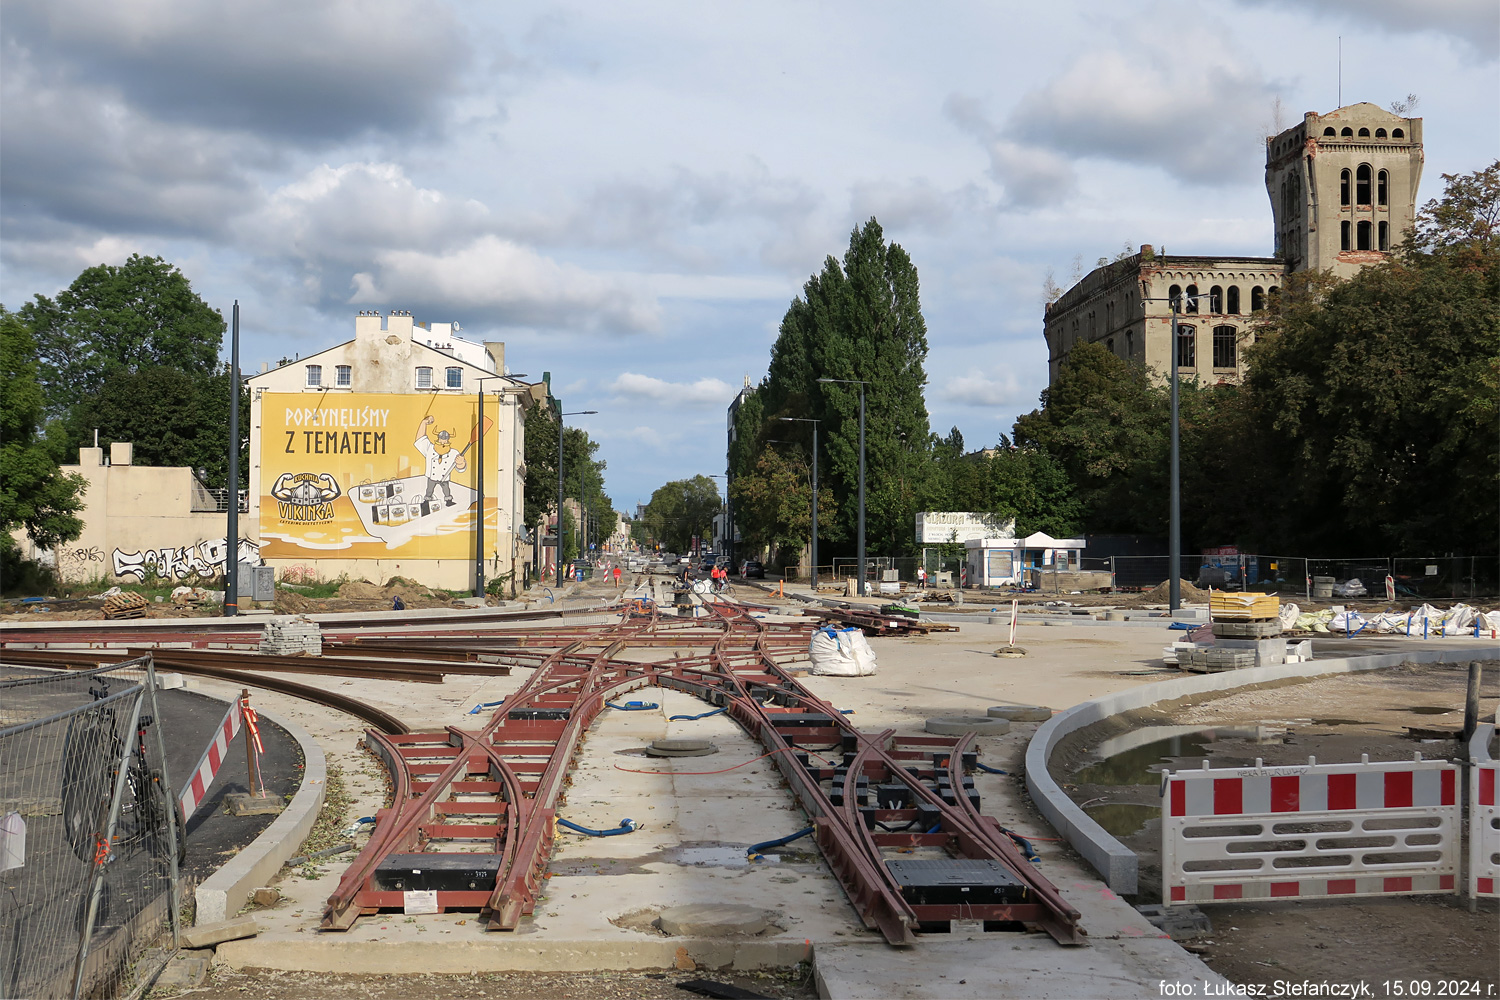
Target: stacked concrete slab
289, 635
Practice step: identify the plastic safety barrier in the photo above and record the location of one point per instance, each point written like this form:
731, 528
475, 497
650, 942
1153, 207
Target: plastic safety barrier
196, 790
1310, 831
1484, 817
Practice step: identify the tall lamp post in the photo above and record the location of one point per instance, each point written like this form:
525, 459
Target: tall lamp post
1174, 502
813, 576
861, 523
232, 537
479, 482
560, 415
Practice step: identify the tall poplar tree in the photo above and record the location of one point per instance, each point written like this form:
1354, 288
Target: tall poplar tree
860, 319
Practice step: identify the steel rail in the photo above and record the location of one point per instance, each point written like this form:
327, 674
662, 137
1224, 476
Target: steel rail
734, 660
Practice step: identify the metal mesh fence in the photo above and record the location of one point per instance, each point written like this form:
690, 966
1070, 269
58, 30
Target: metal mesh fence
90, 840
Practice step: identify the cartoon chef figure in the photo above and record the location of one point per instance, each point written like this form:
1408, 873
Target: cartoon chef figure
442, 460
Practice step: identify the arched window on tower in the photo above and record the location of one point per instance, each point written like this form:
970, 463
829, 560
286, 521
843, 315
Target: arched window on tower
1364, 133
1362, 185
1382, 188
1397, 133
1385, 236
1330, 130
1345, 229
1174, 295
1344, 188
1348, 132
1257, 299
1192, 299
1380, 133
1216, 299
1234, 300
1362, 235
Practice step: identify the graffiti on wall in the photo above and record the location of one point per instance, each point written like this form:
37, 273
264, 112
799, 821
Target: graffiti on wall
206, 558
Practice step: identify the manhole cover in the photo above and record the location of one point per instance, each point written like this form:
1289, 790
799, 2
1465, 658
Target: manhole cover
681, 748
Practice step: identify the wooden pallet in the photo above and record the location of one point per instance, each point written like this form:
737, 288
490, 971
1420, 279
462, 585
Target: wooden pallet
125, 605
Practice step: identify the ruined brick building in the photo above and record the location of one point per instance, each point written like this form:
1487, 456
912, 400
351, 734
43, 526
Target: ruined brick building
1343, 189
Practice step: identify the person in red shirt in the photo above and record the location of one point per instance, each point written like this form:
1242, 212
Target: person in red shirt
617, 577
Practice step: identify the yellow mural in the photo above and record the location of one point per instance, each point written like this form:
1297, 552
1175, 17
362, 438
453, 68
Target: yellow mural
352, 475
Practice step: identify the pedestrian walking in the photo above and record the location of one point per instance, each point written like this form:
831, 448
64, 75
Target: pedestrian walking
921, 577
617, 577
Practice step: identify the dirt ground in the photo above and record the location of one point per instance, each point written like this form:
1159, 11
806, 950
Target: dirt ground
228, 984
1336, 719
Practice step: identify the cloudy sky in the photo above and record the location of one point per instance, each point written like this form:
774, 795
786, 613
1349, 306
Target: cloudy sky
630, 194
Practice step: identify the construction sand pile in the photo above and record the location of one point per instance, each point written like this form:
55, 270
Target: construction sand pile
1162, 592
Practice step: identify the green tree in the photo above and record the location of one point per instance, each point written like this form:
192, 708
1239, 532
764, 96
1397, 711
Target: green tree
173, 417
1104, 420
681, 509
34, 494
1379, 395
773, 503
583, 474
140, 314
860, 320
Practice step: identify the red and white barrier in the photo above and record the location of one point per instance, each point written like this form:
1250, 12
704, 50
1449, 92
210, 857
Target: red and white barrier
1484, 829
1310, 831
213, 758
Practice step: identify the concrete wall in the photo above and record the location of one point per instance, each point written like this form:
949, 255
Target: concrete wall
139, 520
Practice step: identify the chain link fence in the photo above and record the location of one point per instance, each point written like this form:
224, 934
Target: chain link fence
90, 836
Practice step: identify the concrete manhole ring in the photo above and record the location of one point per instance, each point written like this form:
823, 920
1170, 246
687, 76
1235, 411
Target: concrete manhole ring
681, 748
957, 725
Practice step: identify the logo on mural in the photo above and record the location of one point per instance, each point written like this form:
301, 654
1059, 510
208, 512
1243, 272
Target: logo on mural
203, 559
305, 496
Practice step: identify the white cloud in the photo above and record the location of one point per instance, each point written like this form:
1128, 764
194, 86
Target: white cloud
1474, 24
704, 392
509, 284
998, 388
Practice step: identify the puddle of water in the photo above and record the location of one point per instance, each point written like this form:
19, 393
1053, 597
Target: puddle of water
716, 857
1428, 710
1123, 818
1137, 758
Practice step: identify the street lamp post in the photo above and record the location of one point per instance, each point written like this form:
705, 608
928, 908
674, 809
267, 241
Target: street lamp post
813, 575
1174, 501
861, 521
560, 415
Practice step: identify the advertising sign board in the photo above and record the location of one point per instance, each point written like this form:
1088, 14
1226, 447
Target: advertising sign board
353, 475
940, 527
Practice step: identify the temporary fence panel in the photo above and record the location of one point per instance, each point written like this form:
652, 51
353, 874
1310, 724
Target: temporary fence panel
1145, 572
1310, 831
1444, 577
1484, 819
88, 846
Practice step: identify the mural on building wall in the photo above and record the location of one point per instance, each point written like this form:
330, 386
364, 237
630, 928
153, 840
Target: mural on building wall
365, 475
202, 559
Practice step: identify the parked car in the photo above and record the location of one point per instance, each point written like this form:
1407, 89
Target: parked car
706, 567
750, 568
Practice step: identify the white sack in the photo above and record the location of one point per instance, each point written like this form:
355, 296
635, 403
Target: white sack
841, 652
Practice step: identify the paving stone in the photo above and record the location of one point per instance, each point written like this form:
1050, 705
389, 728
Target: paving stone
713, 920
186, 970
208, 935
244, 804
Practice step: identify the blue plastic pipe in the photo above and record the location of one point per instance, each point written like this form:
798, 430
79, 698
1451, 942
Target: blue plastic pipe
695, 718
754, 850
626, 826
